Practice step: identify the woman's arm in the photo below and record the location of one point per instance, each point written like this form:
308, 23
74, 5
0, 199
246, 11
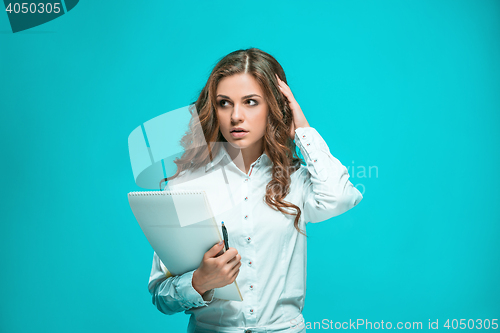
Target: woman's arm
172, 294
327, 189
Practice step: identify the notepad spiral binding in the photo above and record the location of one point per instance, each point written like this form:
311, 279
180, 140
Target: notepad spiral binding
146, 193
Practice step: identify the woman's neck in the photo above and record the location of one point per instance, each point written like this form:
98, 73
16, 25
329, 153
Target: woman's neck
243, 158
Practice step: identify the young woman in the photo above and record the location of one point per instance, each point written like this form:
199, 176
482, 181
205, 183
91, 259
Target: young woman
250, 118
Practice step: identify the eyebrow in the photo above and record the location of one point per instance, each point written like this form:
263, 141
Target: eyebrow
247, 96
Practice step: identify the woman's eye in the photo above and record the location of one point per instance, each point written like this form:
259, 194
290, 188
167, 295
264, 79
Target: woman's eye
221, 102
252, 102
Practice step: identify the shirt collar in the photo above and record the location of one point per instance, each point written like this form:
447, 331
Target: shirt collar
223, 153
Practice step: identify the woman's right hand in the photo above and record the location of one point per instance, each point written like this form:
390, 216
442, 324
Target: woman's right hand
216, 270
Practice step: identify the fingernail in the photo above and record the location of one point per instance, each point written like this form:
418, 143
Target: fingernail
220, 243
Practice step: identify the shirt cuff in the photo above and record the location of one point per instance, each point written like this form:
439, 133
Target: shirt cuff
190, 297
314, 150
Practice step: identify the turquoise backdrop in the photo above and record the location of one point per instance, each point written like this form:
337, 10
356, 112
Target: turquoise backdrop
406, 94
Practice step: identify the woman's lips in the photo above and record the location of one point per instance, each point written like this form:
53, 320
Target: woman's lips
238, 134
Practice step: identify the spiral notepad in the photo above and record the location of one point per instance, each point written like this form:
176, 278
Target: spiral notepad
180, 227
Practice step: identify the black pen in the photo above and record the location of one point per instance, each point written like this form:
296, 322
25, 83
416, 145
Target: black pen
224, 233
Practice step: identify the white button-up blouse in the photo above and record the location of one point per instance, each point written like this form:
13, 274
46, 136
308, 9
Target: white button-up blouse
272, 277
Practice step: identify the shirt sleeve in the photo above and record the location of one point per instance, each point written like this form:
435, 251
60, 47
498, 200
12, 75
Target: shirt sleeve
172, 294
327, 189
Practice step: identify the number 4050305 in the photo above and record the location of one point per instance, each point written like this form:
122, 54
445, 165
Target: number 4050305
32, 8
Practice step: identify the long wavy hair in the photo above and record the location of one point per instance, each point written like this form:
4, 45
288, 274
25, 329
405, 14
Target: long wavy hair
278, 145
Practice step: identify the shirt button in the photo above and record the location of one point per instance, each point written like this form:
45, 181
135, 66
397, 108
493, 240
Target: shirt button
248, 239
307, 145
251, 287
303, 136
251, 310
249, 263
246, 217
314, 160
246, 198
246, 180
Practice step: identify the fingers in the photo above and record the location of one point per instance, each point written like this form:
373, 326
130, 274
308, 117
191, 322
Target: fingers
235, 259
234, 272
227, 265
236, 266
234, 276
281, 84
215, 250
229, 255
285, 90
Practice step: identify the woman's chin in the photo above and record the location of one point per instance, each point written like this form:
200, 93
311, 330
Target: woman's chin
238, 144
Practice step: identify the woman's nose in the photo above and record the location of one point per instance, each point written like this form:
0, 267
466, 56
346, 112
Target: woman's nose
237, 114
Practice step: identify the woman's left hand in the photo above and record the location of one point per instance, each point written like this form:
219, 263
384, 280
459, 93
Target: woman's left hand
299, 120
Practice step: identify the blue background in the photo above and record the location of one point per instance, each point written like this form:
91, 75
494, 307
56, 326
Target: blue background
407, 87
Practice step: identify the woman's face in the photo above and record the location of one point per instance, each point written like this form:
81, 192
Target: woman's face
241, 104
